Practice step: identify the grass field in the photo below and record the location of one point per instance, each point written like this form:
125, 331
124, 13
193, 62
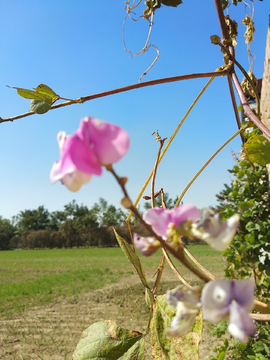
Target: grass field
35, 280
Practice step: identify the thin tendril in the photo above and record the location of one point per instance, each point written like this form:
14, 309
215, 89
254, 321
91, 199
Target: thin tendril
207, 162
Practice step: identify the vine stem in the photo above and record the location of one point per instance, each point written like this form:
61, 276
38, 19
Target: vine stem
177, 273
123, 89
259, 306
233, 59
178, 253
247, 110
161, 143
235, 107
169, 142
207, 162
212, 277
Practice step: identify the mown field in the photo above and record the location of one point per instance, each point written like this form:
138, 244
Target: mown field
48, 297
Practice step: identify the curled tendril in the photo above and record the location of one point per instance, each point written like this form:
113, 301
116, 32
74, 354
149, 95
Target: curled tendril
148, 14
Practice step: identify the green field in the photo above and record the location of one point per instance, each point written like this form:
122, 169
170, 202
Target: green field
37, 277
48, 297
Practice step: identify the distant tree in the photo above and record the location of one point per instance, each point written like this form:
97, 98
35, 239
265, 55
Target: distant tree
7, 232
108, 215
170, 203
33, 220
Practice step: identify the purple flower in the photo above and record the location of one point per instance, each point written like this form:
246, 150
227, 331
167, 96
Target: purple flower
215, 233
146, 245
230, 298
160, 218
187, 303
82, 154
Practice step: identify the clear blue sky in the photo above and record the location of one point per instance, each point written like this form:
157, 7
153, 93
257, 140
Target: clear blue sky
77, 49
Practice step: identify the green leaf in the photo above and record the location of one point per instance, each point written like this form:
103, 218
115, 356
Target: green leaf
30, 94
39, 107
107, 340
133, 258
182, 347
173, 3
221, 356
44, 89
257, 150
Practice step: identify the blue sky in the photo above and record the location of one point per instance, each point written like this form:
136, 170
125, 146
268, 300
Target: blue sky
77, 49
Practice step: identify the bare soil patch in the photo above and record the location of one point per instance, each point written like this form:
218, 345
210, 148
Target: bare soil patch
53, 331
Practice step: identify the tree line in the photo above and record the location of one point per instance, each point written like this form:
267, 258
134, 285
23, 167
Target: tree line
75, 226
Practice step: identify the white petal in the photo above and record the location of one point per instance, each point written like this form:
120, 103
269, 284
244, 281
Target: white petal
183, 320
75, 180
218, 240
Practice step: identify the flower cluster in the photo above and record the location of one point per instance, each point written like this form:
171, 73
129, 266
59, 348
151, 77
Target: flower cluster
187, 220
95, 144
220, 299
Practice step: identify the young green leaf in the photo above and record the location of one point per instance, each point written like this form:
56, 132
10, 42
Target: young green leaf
44, 89
257, 150
182, 347
133, 258
30, 94
107, 340
39, 107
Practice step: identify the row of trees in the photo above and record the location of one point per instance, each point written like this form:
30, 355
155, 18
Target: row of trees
75, 226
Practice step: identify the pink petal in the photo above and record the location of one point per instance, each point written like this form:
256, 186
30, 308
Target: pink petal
109, 142
184, 212
146, 245
76, 154
159, 219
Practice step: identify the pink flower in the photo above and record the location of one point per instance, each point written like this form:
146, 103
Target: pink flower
165, 222
146, 245
160, 218
82, 154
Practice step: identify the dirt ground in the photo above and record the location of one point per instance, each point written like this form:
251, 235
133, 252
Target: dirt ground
52, 332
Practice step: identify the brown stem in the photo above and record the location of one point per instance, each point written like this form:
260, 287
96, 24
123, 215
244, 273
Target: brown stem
179, 254
163, 199
177, 273
200, 266
222, 23
260, 317
259, 306
232, 58
235, 107
159, 274
123, 89
161, 143
247, 110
